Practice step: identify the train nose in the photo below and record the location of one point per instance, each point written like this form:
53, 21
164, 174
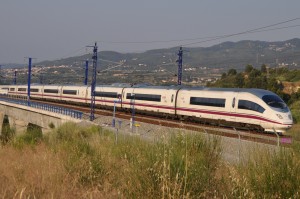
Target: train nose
285, 119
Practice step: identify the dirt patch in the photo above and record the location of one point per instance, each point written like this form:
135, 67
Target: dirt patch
291, 87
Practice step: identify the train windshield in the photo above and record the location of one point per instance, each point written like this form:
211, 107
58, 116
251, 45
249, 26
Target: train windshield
275, 102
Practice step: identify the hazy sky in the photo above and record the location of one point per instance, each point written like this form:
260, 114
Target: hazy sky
55, 29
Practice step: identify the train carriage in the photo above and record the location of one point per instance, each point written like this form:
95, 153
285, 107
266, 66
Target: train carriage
264, 108
77, 94
36, 91
107, 96
151, 99
52, 92
204, 103
4, 90
21, 90
254, 108
12, 90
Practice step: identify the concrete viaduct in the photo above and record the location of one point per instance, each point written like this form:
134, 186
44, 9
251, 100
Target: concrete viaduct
20, 116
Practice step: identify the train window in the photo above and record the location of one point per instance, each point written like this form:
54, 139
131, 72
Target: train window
34, 90
248, 105
22, 89
106, 94
50, 90
172, 98
4, 88
275, 102
70, 92
12, 89
203, 101
144, 97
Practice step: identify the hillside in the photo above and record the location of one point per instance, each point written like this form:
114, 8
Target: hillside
233, 54
200, 65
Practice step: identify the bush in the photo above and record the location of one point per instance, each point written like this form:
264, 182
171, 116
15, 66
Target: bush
276, 176
178, 167
7, 134
269, 175
80, 158
32, 136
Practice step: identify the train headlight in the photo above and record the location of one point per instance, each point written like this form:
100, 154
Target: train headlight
279, 116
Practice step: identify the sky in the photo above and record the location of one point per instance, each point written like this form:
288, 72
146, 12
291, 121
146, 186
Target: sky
56, 29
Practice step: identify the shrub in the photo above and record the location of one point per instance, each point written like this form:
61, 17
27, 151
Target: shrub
32, 136
7, 133
178, 167
80, 158
51, 126
268, 175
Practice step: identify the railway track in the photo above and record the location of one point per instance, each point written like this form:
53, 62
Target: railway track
271, 139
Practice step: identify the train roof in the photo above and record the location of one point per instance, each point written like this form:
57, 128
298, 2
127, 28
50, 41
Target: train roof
255, 91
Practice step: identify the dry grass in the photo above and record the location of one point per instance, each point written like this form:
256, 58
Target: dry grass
295, 132
76, 162
39, 173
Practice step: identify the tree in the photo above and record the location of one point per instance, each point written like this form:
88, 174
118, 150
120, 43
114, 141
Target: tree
264, 82
253, 80
248, 68
263, 68
274, 85
224, 75
232, 72
239, 81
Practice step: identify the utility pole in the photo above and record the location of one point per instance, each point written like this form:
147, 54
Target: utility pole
29, 79
179, 61
86, 72
15, 77
93, 85
41, 78
0, 74
132, 119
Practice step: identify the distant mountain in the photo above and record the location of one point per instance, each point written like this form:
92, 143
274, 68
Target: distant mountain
228, 54
200, 65
12, 65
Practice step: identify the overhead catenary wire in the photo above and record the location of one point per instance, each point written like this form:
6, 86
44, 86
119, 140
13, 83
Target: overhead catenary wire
110, 68
260, 29
202, 39
211, 38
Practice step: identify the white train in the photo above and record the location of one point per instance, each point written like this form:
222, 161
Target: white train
252, 108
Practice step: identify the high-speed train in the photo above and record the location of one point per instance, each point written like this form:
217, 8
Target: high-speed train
251, 108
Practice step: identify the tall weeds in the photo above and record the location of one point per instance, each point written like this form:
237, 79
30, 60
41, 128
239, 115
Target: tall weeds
87, 162
269, 175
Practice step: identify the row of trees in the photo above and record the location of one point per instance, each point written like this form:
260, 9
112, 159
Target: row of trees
250, 78
264, 78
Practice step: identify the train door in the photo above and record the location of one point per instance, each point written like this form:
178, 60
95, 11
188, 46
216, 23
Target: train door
233, 106
121, 97
84, 92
